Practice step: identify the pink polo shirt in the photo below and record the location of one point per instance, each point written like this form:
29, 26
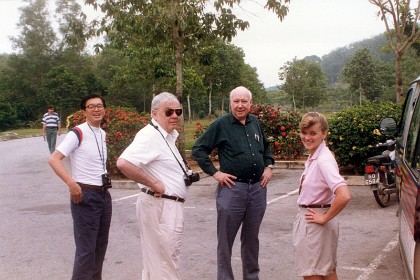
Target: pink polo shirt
321, 178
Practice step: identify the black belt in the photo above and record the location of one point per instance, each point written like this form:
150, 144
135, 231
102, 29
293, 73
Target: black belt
51, 127
93, 187
316, 206
248, 181
179, 199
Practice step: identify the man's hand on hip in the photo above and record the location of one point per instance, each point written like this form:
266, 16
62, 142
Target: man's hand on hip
224, 179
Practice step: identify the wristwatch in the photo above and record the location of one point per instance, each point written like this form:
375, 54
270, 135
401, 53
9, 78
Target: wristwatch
270, 166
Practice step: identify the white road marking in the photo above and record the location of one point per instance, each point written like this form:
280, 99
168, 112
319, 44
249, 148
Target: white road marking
378, 260
282, 196
354, 268
126, 197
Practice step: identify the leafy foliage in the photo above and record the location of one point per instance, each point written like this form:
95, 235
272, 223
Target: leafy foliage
361, 72
121, 125
354, 132
7, 115
399, 15
304, 82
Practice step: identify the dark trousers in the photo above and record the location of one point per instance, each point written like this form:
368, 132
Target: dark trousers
51, 135
242, 204
91, 221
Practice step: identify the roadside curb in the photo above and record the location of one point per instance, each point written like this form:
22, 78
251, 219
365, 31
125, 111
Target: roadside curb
355, 180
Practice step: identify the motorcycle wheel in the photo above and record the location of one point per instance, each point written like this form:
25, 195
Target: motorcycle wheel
381, 198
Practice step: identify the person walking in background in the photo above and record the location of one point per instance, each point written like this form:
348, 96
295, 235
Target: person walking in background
246, 165
50, 127
91, 204
323, 194
154, 162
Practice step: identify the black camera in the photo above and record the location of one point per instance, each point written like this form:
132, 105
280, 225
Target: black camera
106, 181
191, 178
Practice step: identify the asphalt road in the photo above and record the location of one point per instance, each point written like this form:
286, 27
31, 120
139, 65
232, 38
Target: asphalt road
36, 237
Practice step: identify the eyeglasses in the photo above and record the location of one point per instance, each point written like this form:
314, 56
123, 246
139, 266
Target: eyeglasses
169, 112
95, 106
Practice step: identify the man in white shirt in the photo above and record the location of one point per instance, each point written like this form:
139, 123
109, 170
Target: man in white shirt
91, 204
154, 162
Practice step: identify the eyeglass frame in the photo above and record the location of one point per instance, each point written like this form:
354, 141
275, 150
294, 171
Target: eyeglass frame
169, 112
92, 107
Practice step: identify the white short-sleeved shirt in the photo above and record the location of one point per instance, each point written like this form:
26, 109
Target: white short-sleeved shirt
88, 161
321, 178
150, 152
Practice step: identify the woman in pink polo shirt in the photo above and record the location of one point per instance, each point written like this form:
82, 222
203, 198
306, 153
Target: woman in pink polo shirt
323, 194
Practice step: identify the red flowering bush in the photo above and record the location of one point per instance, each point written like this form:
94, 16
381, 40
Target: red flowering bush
121, 125
199, 129
282, 130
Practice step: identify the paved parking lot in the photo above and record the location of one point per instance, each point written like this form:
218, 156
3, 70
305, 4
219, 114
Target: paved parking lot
36, 239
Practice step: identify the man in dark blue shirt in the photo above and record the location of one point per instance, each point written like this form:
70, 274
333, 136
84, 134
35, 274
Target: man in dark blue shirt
246, 165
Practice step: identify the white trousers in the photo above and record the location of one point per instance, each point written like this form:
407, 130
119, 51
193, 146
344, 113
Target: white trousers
161, 223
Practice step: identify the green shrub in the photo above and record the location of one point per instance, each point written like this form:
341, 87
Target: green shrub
35, 124
201, 114
121, 125
354, 132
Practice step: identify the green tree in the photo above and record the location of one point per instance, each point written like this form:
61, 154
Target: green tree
304, 82
396, 14
223, 68
36, 43
174, 25
360, 72
64, 89
72, 25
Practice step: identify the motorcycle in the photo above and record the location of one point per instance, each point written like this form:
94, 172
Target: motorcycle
380, 175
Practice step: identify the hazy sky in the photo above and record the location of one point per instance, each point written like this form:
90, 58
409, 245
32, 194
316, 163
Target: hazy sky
311, 28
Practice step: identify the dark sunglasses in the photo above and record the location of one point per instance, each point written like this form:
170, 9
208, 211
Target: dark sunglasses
169, 112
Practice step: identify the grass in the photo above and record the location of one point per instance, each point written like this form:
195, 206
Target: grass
25, 131
189, 129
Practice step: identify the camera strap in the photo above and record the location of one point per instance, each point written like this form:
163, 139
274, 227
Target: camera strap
101, 155
180, 165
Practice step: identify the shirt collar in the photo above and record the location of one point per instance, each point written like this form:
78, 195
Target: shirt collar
234, 120
165, 134
318, 150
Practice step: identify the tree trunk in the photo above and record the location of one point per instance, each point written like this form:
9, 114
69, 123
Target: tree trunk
189, 108
398, 77
223, 105
179, 53
210, 94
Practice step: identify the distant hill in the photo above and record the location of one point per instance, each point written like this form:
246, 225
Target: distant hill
273, 88
333, 62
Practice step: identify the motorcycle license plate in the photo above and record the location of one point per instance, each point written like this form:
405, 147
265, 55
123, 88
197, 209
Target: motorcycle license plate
371, 179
